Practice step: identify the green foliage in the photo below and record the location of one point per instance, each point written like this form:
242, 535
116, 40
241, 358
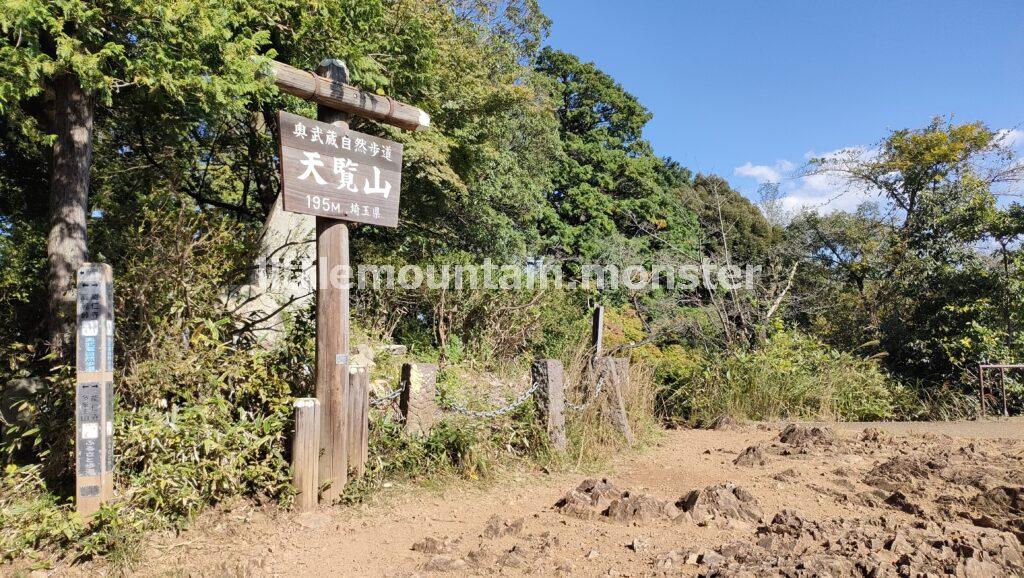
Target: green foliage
185, 461
45, 436
30, 517
457, 320
791, 376
913, 282
725, 215
479, 176
455, 447
448, 448
194, 51
610, 183
35, 525
21, 278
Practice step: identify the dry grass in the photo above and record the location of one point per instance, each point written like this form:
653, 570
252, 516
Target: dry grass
592, 437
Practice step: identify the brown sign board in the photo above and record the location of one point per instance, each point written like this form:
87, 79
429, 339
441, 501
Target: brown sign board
337, 173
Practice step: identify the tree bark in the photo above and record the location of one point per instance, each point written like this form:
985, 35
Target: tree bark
66, 247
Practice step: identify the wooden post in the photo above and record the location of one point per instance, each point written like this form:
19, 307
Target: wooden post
358, 414
94, 390
617, 379
597, 331
305, 453
352, 418
1002, 383
419, 386
364, 423
550, 396
332, 322
335, 101
981, 389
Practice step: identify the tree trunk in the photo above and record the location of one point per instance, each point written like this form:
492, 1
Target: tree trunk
66, 247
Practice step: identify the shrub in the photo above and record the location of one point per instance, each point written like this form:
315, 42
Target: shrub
31, 518
790, 376
37, 527
916, 400
183, 461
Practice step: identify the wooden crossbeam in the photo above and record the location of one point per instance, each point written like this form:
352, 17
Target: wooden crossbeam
347, 98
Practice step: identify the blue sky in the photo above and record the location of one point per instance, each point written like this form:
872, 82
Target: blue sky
749, 89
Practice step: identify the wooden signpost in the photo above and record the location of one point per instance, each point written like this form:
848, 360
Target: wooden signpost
338, 175
94, 389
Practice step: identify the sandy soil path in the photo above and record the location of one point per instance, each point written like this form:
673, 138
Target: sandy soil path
513, 527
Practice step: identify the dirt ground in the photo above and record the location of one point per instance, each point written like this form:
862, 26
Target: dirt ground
751, 500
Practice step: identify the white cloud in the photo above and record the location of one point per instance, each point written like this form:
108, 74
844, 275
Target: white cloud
822, 193
760, 173
1011, 137
826, 193
765, 173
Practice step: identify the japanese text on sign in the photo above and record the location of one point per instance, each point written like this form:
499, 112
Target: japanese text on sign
334, 172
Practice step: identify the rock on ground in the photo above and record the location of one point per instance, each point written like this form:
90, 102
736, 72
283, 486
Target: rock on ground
750, 457
721, 504
594, 499
793, 545
800, 435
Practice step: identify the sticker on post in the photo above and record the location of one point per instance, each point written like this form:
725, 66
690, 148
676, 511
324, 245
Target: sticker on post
90, 431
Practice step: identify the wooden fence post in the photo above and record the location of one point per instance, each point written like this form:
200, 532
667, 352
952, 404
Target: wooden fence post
305, 453
357, 416
981, 392
419, 386
597, 331
1002, 383
94, 390
364, 423
550, 396
616, 373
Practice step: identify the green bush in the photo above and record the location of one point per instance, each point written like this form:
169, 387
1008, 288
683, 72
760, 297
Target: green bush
183, 461
31, 518
455, 447
918, 400
790, 376
38, 527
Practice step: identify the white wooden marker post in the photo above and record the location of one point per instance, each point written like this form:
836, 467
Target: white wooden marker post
338, 175
94, 389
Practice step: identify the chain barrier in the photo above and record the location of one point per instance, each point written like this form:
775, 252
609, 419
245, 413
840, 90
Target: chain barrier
518, 401
492, 413
458, 407
597, 393
384, 400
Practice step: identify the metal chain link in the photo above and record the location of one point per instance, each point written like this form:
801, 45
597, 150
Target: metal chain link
458, 407
382, 401
518, 401
597, 393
